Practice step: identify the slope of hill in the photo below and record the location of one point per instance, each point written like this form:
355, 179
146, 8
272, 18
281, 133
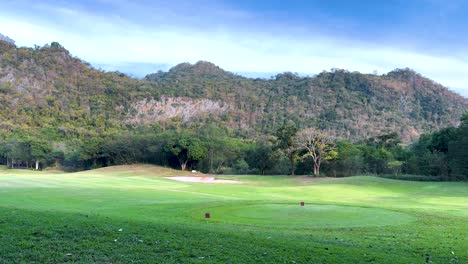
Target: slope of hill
46, 90
346, 104
6, 39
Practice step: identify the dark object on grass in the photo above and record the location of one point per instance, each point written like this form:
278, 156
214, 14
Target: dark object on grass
207, 215
302, 203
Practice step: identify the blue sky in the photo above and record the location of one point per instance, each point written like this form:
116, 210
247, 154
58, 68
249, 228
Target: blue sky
255, 38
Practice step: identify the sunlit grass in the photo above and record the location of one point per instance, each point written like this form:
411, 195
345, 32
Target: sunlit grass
57, 217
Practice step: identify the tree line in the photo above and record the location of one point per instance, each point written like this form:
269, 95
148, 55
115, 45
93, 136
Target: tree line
208, 148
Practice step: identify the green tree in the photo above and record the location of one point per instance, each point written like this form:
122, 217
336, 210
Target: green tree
395, 166
439, 140
458, 153
91, 150
261, 157
215, 141
286, 136
349, 160
186, 148
40, 151
376, 159
20, 151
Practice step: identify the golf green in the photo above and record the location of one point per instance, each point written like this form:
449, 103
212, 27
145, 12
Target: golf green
288, 215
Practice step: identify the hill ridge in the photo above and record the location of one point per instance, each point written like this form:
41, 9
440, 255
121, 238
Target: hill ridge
47, 89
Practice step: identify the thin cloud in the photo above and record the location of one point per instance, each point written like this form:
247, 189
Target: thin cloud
110, 41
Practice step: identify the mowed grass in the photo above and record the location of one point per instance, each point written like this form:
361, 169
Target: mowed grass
132, 214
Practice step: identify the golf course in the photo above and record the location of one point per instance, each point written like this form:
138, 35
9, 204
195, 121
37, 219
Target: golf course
138, 214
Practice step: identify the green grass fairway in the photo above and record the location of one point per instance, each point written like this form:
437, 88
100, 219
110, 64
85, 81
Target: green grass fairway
132, 214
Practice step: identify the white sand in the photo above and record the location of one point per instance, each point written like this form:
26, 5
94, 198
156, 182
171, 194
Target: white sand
202, 179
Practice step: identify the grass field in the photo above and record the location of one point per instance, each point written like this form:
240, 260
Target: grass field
131, 214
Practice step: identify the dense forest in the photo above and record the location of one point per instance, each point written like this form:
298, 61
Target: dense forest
58, 111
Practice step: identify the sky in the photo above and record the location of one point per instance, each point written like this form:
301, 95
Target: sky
253, 38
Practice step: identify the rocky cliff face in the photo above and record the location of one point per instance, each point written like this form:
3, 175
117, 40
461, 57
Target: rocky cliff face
149, 111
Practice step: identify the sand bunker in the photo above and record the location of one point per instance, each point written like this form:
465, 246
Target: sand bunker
202, 180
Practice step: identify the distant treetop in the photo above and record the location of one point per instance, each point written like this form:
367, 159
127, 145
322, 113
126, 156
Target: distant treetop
6, 39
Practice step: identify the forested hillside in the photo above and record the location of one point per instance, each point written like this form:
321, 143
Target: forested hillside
57, 110
346, 104
46, 88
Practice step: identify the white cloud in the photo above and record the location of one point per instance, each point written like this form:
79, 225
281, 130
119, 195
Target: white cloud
114, 41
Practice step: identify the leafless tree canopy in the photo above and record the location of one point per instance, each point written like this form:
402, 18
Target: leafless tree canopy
316, 144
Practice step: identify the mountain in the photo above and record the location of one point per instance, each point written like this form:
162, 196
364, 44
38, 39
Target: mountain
345, 104
46, 90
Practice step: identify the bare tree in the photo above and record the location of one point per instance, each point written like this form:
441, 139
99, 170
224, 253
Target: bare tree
316, 145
